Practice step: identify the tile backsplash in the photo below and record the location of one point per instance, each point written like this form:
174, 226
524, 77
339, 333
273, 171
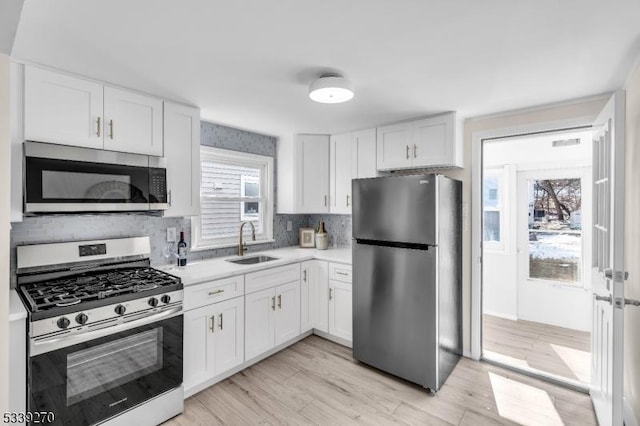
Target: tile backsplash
78, 227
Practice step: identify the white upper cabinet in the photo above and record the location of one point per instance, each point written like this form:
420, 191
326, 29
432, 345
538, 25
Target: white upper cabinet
429, 142
133, 122
352, 155
364, 153
341, 171
62, 109
66, 110
312, 173
393, 146
182, 151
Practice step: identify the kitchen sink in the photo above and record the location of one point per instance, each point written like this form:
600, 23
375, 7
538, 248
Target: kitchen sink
251, 260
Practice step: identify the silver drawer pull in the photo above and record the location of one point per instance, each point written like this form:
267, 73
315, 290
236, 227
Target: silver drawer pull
341, 273
213, 293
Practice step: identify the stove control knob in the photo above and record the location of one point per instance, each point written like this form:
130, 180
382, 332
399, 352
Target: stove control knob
153, 302
165, 299
120, 310
81, 319
63, 322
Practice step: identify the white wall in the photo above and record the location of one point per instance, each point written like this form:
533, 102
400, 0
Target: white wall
4, 231
632, 245
503, 286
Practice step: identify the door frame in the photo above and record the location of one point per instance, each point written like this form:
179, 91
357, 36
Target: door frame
477, 140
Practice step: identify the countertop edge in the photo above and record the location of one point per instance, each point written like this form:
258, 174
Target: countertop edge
296, 255
17, 310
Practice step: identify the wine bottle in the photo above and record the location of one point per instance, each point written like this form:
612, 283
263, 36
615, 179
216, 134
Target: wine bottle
182, 250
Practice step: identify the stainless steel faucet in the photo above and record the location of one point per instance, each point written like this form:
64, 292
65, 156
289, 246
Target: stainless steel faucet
241, 245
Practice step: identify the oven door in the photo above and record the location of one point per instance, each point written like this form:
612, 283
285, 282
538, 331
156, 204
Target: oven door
94, 380
70, 179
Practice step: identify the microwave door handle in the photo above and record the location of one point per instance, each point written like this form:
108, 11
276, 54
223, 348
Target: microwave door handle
38, 347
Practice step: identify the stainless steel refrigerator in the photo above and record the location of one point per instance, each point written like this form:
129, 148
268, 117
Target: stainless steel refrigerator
407, 276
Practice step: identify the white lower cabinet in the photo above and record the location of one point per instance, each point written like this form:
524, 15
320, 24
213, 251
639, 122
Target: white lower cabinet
340, 310
272, 317
213, 340
315, 281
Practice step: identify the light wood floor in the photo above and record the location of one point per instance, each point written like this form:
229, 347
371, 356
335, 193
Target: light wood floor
318, 382
556, 350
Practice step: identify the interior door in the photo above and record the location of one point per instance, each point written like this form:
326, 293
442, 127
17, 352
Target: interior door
608, 262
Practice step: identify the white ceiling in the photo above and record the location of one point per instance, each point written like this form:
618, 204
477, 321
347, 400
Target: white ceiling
248, 63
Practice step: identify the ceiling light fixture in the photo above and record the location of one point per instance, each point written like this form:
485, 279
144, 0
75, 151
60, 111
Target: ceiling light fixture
331, 89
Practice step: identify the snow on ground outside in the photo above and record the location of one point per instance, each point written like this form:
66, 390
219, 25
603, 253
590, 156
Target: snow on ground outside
556, 246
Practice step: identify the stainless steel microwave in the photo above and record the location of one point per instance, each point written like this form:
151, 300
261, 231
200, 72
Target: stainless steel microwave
65, 179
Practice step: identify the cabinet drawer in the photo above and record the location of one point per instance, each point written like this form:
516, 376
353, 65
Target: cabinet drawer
272, 277
340, 272
213, 291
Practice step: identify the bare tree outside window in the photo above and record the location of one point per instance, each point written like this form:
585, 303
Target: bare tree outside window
555, 229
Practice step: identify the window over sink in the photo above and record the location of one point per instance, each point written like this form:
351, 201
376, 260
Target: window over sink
235, 187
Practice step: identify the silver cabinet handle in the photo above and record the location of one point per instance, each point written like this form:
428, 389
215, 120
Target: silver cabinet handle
279, 301
330, 293
110, 129
169, 197
325, 200
347, 200
220, 325
632, 302
213, 293
98, 127
415, 148
212, 326
273, 303
407, 152
602, 298
304, 276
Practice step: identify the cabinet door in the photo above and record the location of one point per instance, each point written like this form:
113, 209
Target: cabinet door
287, 318
312, 173
229, 335
133, 122
341, 173
198, 346
319, 298
259, 334
433, 141
61, 109
306, 320
340, 310
393, 151
182, 151
364, 155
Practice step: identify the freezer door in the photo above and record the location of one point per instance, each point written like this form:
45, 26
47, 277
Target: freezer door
400, 209
395, 311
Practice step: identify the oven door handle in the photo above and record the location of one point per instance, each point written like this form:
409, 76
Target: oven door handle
38, 347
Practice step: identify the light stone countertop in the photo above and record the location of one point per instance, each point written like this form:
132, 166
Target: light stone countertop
17, 311
217, 268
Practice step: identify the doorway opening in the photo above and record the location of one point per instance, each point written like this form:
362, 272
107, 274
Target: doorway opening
536, 254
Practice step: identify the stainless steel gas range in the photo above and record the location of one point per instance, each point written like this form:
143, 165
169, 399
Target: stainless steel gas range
104, 333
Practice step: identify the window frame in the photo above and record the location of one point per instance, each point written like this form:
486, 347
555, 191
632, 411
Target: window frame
502, 174
266, 197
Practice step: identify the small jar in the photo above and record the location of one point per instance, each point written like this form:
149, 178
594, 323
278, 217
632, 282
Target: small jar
322, 238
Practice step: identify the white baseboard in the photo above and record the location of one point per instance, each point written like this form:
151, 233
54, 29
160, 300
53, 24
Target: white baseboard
628, 414
334, 339
500, 315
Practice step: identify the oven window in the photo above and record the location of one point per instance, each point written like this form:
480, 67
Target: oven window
94, 186
101, 368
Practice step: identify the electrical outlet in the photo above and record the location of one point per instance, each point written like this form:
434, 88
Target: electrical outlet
289, 225
171, 235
